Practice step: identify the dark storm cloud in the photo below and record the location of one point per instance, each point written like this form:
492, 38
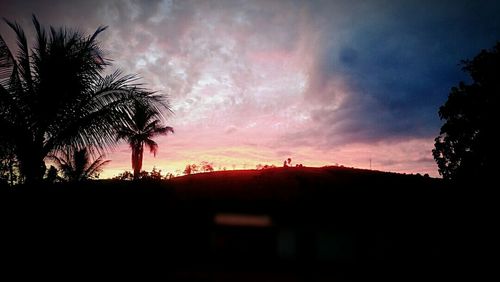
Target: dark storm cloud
400, 59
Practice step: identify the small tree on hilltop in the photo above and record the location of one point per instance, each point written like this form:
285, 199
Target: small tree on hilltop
206, 166
187, 170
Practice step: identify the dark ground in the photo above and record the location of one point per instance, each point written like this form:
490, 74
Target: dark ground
326, 224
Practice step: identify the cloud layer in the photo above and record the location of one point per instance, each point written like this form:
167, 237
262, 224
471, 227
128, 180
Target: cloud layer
254, 82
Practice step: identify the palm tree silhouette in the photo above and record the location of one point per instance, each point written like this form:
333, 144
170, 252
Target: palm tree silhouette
55, 94
142, 126
76, 165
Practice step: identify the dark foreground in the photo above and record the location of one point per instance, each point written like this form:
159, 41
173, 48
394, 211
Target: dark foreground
307, 224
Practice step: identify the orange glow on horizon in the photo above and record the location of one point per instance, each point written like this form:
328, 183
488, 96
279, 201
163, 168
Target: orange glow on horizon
401, 157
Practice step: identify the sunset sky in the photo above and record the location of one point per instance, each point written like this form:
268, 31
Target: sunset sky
256, 82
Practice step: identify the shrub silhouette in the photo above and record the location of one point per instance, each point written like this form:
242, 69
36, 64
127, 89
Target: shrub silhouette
126, 175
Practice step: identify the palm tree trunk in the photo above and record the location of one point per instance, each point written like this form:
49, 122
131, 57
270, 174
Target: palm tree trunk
137, 160
134, 163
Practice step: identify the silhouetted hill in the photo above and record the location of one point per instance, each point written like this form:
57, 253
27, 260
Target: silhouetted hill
279, 224
287, 183
293, 188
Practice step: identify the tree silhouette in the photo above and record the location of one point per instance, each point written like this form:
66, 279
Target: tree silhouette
187, 170
8, 163
466, 146
55, 94
76, 165
138, 131
206, 166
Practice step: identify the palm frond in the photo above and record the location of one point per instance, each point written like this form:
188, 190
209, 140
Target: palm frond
40, 50
96, 33
76, 164
152, 145
163, 130
12, 110
152, 125
7, 61
124, 133
97, 125
23, 56
96, 167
